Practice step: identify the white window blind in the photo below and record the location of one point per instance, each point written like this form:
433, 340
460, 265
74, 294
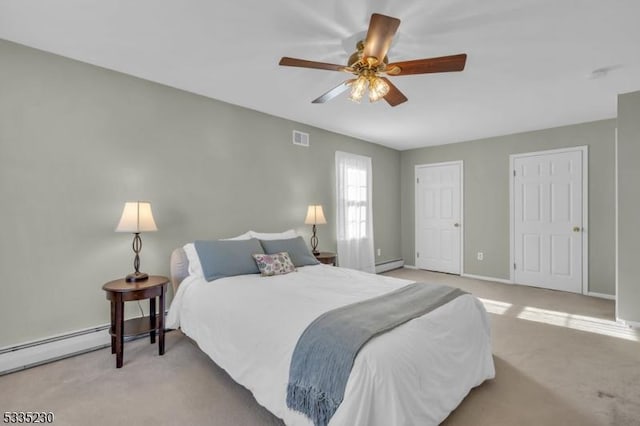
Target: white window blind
354, 212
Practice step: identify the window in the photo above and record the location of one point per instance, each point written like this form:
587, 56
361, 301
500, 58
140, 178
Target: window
354, 218
356, 203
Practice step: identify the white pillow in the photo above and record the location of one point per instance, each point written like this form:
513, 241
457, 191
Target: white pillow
245, 236
290, 233
195, 267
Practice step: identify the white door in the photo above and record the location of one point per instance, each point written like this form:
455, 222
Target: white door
548, 220
438, 217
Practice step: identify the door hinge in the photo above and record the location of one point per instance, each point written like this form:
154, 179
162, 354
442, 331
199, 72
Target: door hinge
514, 173
514, 266
418, 254
417, 180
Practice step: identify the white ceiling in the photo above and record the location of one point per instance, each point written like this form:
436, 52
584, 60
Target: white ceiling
529, 61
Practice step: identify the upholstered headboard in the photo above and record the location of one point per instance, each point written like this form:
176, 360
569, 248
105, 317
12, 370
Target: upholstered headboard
179, 268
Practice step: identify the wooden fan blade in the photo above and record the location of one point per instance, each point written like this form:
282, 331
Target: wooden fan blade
395, 96
431, 65
293, 62
333, 92
382, 28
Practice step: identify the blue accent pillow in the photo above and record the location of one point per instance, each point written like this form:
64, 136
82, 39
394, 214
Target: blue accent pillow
296, 247
226, 258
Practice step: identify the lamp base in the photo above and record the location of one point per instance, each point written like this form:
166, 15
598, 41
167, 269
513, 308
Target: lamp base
136, 276
314, 242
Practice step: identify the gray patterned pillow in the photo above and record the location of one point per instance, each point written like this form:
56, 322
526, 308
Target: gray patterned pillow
274, 264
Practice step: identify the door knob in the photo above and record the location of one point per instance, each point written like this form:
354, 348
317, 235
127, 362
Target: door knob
576, 229
457, 225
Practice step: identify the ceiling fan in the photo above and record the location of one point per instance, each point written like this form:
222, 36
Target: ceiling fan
370, 61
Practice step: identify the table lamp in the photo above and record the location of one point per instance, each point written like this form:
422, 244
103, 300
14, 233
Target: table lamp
136, 218
315, 216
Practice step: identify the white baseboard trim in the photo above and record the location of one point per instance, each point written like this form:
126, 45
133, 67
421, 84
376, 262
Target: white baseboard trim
633, 324
411, 267
388, 266
601, 295
483, 278
37, 352
42, 351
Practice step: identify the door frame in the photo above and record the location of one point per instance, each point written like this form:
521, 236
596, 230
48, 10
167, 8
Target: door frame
584, 149
415, 212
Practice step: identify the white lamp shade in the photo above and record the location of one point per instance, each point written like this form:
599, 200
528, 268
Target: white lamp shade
136, 217
315, 216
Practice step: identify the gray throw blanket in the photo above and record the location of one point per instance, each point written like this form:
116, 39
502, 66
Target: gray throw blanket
324, 355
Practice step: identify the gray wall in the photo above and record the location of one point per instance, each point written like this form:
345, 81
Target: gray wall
628, 297
486, 196
77, 141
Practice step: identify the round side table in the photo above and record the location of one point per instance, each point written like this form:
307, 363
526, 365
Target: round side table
120, 291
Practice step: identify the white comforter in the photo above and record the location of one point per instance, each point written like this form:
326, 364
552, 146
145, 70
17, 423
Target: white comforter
415, 374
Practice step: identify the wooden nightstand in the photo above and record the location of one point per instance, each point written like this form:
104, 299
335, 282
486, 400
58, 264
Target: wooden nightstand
326, 258
120, 291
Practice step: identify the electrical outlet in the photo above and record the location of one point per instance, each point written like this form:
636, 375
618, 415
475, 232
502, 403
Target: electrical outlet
480, 255
379, 252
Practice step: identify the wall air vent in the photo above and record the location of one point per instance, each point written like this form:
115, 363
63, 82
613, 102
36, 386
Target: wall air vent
300, 138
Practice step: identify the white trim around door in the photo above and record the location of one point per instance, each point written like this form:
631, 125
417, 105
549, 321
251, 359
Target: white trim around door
460, 163
584, 150
615, 216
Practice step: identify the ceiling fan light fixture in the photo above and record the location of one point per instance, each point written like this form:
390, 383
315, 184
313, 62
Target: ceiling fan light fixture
358, 88
378, 89
370, 66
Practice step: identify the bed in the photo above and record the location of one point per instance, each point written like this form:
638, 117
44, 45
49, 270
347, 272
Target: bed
416, 373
